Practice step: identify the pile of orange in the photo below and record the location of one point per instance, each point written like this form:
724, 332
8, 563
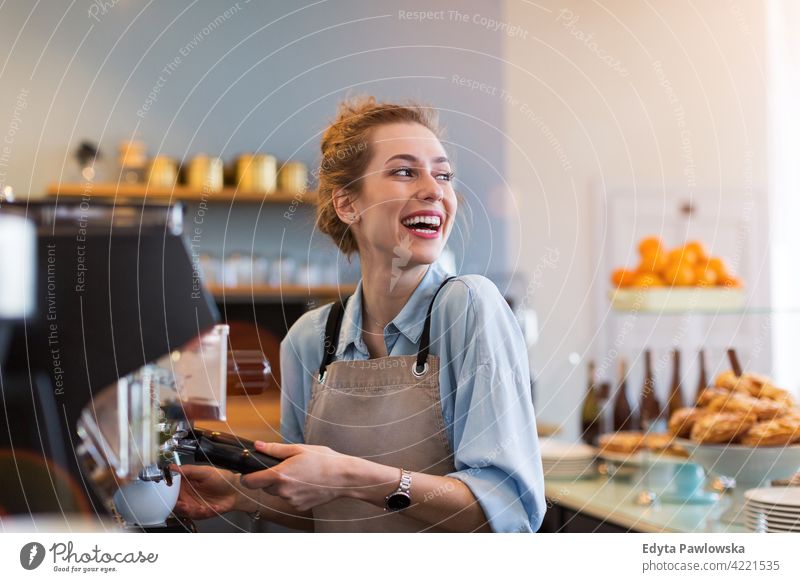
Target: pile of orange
685, 266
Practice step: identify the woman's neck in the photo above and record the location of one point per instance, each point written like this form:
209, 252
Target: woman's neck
385, 290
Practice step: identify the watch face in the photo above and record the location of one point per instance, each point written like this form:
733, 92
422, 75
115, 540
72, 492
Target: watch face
398, 500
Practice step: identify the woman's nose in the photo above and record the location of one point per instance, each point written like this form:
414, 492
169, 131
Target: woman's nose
432, 189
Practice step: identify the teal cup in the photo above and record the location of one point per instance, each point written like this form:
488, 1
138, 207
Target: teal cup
689, 480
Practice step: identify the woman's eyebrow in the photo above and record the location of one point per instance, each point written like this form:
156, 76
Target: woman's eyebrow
411, 158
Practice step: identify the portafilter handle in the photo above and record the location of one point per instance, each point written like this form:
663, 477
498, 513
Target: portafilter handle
223, 450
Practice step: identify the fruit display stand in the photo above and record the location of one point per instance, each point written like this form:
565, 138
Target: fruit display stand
684, 297
676, 300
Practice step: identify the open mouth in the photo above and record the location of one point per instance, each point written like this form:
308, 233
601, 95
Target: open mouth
426, 225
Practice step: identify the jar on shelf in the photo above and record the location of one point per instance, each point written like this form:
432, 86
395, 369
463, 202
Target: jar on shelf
163, 172
244, 270
132, 159
257, 173
260, 270
292, 177
231, 269
283, 271
210, 269
204, 174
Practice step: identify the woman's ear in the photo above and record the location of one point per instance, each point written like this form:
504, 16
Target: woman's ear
345, 209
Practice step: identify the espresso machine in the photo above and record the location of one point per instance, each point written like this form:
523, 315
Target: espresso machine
110, 351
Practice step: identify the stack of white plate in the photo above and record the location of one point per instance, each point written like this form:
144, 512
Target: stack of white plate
773, 509
566, 460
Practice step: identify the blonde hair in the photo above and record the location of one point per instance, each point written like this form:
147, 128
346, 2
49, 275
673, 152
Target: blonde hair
346, 153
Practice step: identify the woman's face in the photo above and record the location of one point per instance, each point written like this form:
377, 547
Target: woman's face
407, 203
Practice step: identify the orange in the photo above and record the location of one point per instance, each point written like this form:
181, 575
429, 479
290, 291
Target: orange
652, 262
649, 245
730, 282
675, 255
705, 277
718, 266
648, 280
679, 274
623, 277
683, 254
695, 248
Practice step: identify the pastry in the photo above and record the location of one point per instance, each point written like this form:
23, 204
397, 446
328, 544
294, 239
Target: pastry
721, 427
747, 387
748, 408
762, 387
792, 413
708, 395
755, 379
657, 441
777, 394
683, 419
739, 402
664, 443
621, 442
726, 380
773, 433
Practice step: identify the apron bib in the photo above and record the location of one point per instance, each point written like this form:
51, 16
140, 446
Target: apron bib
387, 410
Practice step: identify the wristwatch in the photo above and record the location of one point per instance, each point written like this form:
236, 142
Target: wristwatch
401, 498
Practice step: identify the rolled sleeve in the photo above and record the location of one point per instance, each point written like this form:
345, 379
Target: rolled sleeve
495, 444
292, 405
301, 346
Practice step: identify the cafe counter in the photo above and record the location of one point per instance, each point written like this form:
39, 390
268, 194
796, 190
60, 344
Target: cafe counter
603, 504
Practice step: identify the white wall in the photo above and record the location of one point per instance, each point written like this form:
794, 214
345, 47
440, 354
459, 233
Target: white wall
666, 97
784, 122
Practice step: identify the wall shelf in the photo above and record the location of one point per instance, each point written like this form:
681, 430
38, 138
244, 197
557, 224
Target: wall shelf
179, 192
269, 293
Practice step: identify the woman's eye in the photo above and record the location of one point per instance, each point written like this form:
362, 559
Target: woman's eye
409, 173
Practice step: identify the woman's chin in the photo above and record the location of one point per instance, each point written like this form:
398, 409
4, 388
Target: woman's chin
426, 257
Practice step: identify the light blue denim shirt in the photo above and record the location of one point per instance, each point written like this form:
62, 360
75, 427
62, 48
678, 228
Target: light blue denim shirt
484, 381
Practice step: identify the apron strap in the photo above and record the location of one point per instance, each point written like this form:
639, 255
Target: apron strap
425, 339
332, 328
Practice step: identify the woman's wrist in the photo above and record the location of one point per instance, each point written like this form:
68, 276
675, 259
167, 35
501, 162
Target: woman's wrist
245, 499
369, 481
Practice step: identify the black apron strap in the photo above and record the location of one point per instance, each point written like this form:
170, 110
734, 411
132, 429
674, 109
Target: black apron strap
332, 328
425, 339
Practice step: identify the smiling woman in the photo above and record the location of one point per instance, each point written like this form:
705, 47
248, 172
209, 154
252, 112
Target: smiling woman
407, 406
349, 164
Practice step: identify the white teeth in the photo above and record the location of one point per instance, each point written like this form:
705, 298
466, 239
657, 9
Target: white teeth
432, 220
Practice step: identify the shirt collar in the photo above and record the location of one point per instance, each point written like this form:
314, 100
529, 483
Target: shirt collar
409, 321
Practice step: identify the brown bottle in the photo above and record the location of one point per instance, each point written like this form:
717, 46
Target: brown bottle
623, 415
649, 407
591, 421
676, 393
703, 382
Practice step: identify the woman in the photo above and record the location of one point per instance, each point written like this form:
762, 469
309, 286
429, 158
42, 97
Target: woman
409, 408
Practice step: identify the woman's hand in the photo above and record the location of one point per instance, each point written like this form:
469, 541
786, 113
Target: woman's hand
205, 491
309, 475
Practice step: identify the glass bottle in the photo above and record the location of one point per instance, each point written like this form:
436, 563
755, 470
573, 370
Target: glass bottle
703, 381
649, 407
623, 415
675, 400
590, 414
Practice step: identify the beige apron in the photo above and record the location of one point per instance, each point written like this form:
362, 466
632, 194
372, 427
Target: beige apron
387, 410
